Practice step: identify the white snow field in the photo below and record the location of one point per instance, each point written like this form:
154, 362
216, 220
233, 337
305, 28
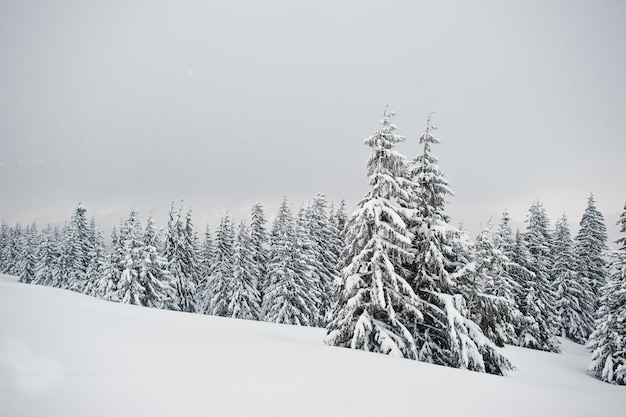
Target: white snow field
66, 354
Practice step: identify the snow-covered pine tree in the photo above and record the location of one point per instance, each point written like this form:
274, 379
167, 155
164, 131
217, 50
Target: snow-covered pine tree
5, 231
322, 236
608, 341
340, 217
288, 298
529, 331
590, 245
572, 294
309, 257
194, 251
258, 241
145, 279
131, 240
494, 307
154, 275
206, 257
335, 246
107, 286
181, 252
540, 300
27, 261
218, 293
375, 305
337, 220
75, 249
245, 300
11, 250
97, 261
443, 331
514, 274
47, 257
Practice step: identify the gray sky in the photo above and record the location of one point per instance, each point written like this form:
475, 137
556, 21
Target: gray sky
135, 104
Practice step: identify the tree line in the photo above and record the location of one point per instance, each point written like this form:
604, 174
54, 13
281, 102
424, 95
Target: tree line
394, 277
241, 271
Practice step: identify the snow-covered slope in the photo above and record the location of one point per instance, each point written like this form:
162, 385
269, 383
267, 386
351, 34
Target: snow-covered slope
65, 354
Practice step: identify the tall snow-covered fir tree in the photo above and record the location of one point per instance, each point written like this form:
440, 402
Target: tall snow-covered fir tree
11, 251
608, 341
76, 246
376, 307
444, 333
206, 257
145, 279
494, 305
154, 272
107, 286
258, 241
338, 221
514, 273
5, 239
181, 252
323, 237
540, 300
46, 271
97, 261
340, 217
27, 261
290, 297
245, 300
218, 293
573, 296
131, 240
590, 246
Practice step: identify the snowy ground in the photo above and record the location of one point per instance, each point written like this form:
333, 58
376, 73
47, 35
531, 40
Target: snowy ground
65, 354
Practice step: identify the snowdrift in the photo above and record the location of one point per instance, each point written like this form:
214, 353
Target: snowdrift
66, 354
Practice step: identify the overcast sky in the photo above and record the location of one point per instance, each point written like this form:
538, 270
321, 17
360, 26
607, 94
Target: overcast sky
135, 104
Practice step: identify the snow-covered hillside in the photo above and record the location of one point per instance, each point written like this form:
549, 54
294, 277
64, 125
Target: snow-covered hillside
66, 354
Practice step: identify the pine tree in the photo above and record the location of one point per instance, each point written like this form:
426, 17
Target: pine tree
514, 275
194, 253
75, 248
573, 300
340, 217
131, 240
520, 269
97, 261
289, 298
107, 286
322, 235
11, 251
334, 245
309, 254
590, 246
46, 269
494, 307
337, 222
181, 253
144, 279
375, 305
206, 258
608, 341
153, 272
245, 299
5, 236
219, 292
540, 298
258, 241
27, 261
442, 275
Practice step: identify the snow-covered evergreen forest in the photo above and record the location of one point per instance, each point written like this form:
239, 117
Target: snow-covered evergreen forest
393, 276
